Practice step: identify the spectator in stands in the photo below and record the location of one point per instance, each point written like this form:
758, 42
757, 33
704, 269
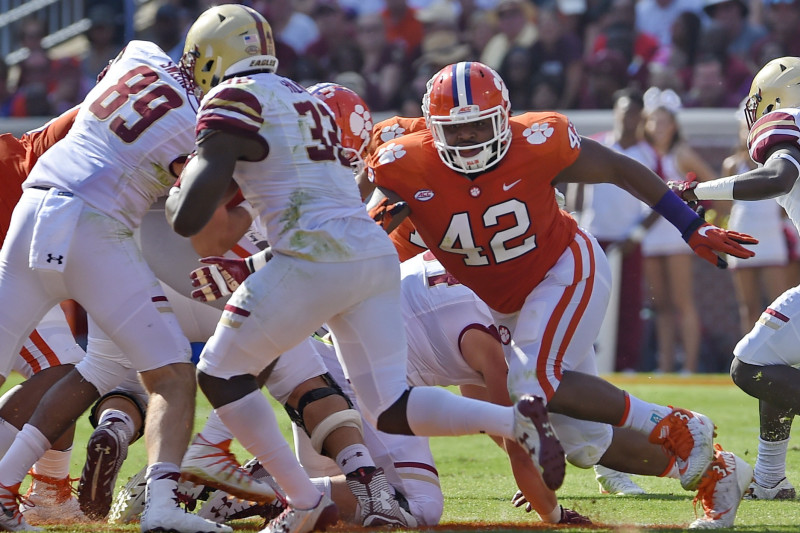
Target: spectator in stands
606, 73
169, 30
668, 261
656, 16
557, 53
34, 73
480, 29
618, 30
290, 26
782, 20
103, 46
620, 221
545, 92
672, 66
68, 89
382, 64
337, 31
740, 32
719, 78
516, 28
402, 27
515, 71
5, 93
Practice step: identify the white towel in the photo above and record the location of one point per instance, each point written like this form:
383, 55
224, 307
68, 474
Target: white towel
53, 230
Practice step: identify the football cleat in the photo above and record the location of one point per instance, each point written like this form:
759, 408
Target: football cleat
317, 518
721, 489
222, 507
11, 518
376, 499
614, 482
50, 500
688, 436
534, 432
162, 511
105, 453
782, 491
214, 465
129, 503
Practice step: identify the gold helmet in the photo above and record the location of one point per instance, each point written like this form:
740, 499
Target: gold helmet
226, 40
776, 86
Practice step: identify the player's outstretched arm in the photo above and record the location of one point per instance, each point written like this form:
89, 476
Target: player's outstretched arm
387, 209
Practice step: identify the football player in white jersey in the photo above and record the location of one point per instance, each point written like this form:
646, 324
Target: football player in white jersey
330, 264
767, 359
71, 236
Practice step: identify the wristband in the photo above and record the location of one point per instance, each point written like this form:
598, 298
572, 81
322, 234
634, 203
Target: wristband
254, 262
638, 233
678, 214
720, 189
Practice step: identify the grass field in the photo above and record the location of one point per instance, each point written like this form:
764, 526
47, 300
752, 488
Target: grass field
478, 486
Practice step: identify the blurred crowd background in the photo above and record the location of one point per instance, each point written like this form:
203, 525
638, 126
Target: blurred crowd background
553, 54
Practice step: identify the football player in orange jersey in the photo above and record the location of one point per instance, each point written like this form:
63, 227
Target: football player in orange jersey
478, 185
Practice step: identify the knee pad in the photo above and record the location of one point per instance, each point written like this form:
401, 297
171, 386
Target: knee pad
94, 415
346, 418
103, 373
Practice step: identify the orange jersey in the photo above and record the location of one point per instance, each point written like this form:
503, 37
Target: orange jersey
500, 232
405, 237
17, 157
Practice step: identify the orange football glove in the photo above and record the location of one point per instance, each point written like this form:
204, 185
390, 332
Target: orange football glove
383, 212
708, 240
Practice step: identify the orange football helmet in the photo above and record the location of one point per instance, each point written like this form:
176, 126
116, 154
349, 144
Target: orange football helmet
352, 116
468, 92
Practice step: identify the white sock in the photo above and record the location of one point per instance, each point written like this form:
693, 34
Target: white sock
121, 420
214, 430
162, 470
434, 412
553, 517
54, 463
642, 416
323, 485
265, 442
7, 434
354, 457
29, 446
770, 466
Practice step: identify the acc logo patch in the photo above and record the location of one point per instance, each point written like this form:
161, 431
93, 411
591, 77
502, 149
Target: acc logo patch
423, 195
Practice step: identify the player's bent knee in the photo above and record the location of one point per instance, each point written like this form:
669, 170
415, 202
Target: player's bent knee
426, 509
585, 457
743, 373
221, 391
104, 374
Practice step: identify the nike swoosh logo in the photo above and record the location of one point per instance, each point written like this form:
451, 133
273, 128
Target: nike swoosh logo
508, 187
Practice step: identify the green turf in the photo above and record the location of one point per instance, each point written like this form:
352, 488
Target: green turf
478, 486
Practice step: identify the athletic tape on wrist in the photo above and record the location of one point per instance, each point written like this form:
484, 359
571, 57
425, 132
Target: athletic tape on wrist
721, 189
677, 213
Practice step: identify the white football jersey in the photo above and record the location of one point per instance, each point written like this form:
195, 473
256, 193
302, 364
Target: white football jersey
303, 189
131, 126
779, 127
437, 310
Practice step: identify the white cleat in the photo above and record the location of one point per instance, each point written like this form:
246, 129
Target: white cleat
11, 518
721, 489
377, 501
618, 483
688, 436
534, 432
213, 464
317, 518
51, 501
162, 512
782, 491
129, 503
